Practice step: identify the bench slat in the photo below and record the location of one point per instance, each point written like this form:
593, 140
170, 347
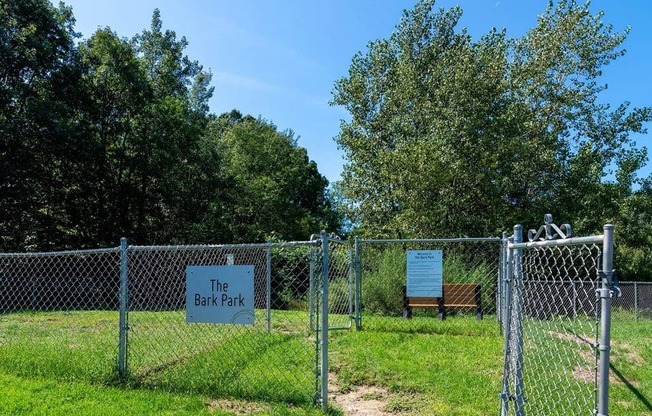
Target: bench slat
456, 295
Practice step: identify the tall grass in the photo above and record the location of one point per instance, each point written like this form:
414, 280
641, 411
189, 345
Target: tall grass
382, 286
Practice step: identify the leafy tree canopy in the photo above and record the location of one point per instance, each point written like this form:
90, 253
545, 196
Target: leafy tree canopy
454, 136
113, 137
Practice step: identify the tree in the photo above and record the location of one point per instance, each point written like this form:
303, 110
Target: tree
104, 161
454, 137
37, 73
168, 162
274, 190
633, 236
113, 138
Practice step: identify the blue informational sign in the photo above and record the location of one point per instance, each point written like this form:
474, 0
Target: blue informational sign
220, 294
424, 273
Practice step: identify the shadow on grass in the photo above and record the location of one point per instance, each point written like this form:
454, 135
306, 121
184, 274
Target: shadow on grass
631, 387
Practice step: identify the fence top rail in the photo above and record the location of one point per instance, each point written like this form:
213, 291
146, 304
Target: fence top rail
338, 241
61, 253
201, 247
574, 241
431, 240
197, 247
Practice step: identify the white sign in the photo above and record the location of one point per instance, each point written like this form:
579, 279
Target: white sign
220, 294
424, 273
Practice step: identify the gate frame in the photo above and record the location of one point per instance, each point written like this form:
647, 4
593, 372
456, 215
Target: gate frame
605, 294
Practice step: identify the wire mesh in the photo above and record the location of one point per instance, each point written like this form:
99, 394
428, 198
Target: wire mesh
62, 315
59, 314
553, 331
341, 285
273, 359
634, 302
470, 283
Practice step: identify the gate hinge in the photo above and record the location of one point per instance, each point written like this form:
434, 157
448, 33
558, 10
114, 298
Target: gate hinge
611, 283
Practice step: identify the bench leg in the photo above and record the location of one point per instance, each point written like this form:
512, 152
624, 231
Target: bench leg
407, 310
478, 301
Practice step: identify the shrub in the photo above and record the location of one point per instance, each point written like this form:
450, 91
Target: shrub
382, 286
382, 289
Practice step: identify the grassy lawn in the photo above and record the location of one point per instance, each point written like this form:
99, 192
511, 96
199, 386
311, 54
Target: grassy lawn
453, 370
63, 363
45, 396
631, 367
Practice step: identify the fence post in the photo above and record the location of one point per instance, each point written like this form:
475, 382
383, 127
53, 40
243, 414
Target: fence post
268, 287
324, 321
124, 294
311, 289
502, 276
507, 301
358, 285
635, 302
606, 292
351, 286
519, 388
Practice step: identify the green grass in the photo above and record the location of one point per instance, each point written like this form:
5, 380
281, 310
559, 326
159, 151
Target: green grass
232, 361
44, 396
64, 363
631, 367
60, 356
452, 369
74, 346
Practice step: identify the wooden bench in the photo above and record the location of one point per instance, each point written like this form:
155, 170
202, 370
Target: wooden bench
455, 296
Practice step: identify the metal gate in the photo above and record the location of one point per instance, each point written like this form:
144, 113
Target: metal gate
556, 351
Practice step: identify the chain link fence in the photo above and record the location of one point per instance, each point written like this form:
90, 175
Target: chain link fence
554, 335
558, 361
59, 314
333, 304
101, 315
341, 289
634, 302
273, 359
470, 276
107, 314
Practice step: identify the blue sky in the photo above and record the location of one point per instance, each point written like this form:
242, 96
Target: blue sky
279, 59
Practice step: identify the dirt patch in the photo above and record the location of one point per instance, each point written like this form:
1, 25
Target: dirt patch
620, 352
361, 401
583, 374
237, 407
584, 351
571, 337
